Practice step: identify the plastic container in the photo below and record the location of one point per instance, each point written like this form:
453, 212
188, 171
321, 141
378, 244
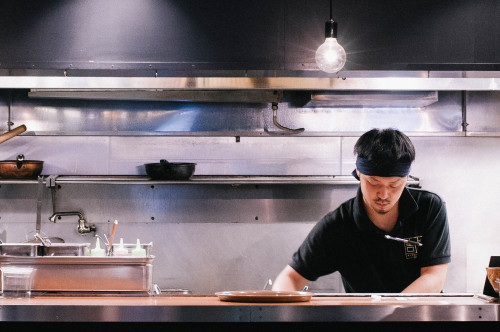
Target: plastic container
16, 281
97, 251
138, 251
120, 250
131, 246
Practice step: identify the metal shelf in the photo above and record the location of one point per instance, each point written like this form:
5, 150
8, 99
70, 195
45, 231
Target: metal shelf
197, 179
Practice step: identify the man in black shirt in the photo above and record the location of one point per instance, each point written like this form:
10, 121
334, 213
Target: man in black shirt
388, 238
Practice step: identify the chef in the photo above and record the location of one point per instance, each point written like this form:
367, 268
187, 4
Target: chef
387, 239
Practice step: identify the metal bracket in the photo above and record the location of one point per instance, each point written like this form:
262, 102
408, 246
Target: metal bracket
275, 121
50, 182
39, 199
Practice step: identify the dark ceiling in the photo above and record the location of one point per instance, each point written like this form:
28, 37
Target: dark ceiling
247, 34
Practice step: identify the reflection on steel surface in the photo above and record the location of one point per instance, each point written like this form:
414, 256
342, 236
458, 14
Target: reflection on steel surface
248, 83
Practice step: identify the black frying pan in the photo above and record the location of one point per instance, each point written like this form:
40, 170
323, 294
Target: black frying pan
170, 171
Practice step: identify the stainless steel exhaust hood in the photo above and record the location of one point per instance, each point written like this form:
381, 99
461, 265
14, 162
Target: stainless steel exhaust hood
303, 80
372, 99
238, 96
368, 88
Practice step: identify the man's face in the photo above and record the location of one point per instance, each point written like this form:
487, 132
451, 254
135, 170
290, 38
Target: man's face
380, 194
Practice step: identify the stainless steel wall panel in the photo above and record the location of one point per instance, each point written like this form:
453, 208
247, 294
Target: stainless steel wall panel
483, 114
348, 157
193, 228
225, 156
71, 155
152, 118
113, 117
462, 171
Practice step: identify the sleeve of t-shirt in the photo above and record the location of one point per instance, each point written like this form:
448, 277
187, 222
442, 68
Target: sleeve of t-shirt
312, 259
436, 242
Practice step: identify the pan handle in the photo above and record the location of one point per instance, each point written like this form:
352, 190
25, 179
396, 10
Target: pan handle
19, 161
14, 132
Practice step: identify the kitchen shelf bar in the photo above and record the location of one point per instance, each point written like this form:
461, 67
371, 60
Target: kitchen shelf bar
202, 180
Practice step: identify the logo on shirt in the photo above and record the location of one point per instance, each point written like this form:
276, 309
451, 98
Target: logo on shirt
411, 250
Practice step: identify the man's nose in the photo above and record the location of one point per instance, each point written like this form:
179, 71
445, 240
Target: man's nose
383, 193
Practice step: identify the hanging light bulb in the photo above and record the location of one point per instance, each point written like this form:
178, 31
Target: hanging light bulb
330, 56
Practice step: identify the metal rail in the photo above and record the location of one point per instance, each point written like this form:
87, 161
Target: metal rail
200, 179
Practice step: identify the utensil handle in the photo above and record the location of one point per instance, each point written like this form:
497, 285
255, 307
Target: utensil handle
14, 132
113, 231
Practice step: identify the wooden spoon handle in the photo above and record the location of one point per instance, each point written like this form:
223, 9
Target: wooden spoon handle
14, 132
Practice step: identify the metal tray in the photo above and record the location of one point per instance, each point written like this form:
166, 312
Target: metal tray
86, 273
37, 249
65, 249
19, 249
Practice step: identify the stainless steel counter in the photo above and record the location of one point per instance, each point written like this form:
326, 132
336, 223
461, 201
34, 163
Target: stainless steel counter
208, 309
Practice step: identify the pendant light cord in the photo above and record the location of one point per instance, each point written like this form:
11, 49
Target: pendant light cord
331, 10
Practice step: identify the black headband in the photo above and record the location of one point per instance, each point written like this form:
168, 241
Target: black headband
367, 167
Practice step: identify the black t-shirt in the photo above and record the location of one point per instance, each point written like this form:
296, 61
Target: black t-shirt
346, 240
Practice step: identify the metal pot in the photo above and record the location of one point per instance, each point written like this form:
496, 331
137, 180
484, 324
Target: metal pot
170, 171
20, 168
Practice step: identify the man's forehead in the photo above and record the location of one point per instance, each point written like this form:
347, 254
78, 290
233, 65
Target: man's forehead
391, 179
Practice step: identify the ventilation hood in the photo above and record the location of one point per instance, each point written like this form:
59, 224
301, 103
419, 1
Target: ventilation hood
221, 96
372, 99
366, 88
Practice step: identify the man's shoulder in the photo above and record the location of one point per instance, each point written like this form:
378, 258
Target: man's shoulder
424, 197
422, 194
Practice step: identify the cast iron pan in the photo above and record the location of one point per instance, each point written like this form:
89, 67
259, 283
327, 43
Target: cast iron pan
170, 171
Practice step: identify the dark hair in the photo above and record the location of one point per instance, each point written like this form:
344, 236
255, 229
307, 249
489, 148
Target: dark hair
385, 146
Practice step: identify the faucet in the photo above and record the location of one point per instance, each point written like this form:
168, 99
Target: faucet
82, 223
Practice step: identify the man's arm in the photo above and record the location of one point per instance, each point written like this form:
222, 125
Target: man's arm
289, 280
431, 280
